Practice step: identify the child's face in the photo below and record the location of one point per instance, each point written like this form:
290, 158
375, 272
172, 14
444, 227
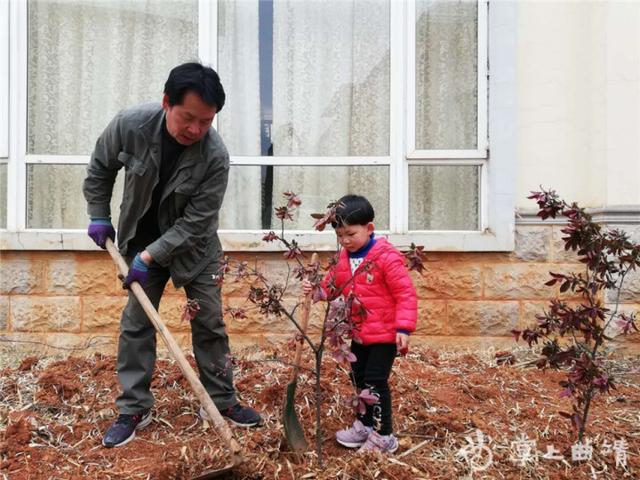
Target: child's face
354, 237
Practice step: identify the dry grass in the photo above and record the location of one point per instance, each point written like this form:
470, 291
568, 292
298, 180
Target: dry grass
53, 412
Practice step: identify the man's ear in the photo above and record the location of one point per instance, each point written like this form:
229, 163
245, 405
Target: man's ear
165, 101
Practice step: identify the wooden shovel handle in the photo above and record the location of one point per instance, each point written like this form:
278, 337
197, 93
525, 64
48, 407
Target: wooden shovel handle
304, 322
176, 353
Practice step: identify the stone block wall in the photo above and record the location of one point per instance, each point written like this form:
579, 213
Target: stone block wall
72, 301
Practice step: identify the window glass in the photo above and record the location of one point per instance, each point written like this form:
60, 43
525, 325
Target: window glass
443, 197
246, 206
54, 196
250, 186
4, 78
446, 74
305, 78
87, 59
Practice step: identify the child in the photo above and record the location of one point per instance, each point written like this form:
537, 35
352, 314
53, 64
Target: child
374, 270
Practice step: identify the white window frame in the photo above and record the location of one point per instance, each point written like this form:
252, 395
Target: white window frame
480, 152
4, 79
496, 115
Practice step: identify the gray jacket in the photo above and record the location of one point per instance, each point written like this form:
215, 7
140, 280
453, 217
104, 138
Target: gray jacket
190, 202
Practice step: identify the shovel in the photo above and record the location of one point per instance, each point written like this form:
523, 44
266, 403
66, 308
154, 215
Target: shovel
208, 405
292, 429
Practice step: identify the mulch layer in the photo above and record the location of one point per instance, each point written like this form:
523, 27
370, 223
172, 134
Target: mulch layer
457, 415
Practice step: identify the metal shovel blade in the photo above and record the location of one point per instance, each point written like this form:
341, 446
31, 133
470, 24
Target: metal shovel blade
292, 429
215, 473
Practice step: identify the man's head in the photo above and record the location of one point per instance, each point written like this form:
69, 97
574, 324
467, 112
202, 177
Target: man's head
354, 222
192, 97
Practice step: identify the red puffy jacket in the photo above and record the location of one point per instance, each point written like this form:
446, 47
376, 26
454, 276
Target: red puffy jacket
384, 289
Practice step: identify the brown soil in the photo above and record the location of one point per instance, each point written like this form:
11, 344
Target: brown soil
52, 417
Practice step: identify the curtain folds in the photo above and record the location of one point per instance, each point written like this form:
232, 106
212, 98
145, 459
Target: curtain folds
331, 98
239, 120
445, 197
87, 60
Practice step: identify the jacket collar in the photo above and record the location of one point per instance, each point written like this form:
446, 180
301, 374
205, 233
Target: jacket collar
365, 249
380, 245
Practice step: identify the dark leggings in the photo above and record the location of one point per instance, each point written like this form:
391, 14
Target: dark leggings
371, 370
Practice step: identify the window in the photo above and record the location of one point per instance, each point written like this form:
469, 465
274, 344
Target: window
86, 61
387, 99
446, 109
4, 108
310, 81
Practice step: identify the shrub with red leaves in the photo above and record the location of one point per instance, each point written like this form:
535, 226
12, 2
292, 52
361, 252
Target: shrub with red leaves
608, 256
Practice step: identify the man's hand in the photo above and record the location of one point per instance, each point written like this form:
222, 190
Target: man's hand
138, 270
100, 229
402, 342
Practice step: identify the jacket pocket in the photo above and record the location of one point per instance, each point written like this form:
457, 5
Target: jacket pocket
182, 194
132, 163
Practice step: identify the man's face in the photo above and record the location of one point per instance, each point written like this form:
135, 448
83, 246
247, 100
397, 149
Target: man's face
189, 122
354, 237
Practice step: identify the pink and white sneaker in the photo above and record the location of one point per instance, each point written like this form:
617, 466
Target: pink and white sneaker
354, 436
380, 443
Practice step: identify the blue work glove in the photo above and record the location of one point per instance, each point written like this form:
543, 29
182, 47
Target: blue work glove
100, 229
137, 273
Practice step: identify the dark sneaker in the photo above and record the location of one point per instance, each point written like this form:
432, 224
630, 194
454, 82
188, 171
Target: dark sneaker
124, 429
242, 416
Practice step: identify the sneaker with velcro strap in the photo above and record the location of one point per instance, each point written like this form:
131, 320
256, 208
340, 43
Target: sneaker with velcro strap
354, 436
380, 443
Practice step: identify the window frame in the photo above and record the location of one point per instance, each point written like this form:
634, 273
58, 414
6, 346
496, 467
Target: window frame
481, 152
4, 79
496, 115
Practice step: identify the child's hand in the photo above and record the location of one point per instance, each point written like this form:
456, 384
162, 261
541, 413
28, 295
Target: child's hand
402, 342
307, 287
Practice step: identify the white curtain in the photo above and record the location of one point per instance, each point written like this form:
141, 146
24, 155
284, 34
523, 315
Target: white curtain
239, 121
87, 59
445, 197
55, 198
446, 74
331, 98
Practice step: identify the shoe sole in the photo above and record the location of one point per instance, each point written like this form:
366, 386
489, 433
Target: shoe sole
391, 450
205, 416
143, 423
350, 444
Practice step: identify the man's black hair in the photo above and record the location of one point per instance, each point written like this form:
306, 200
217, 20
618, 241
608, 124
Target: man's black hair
353, 210
194, 77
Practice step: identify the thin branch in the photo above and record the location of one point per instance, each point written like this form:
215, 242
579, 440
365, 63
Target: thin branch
88, 344
617, 302
297, 325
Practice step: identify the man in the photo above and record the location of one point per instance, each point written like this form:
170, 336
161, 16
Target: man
176, 169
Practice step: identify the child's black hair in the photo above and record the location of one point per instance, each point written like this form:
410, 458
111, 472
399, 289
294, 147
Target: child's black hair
353, 210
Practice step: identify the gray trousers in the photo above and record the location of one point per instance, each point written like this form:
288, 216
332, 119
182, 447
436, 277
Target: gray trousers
137, 343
